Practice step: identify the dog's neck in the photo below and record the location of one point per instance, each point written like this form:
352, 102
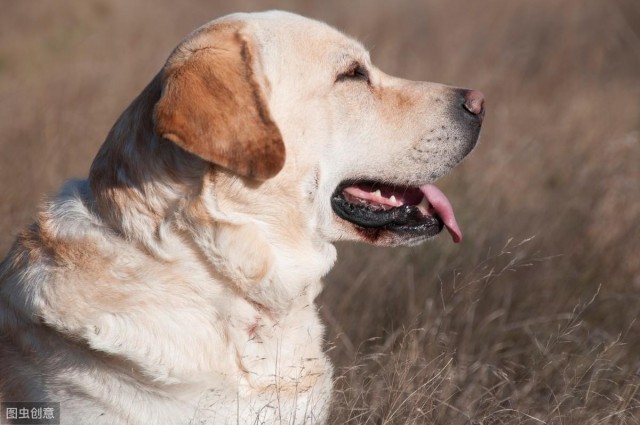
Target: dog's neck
146, 188
137, 178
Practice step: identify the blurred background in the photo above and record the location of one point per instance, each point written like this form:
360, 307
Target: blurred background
533, 318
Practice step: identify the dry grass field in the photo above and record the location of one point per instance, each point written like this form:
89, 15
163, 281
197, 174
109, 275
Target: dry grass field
534, 317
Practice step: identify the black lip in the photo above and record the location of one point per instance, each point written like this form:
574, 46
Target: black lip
406, 218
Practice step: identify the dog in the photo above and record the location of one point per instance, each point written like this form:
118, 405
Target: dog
176, 284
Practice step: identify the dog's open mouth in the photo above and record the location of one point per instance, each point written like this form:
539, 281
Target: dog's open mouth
422, 210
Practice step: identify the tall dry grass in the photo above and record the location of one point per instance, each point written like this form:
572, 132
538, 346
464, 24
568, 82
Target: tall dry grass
533, 318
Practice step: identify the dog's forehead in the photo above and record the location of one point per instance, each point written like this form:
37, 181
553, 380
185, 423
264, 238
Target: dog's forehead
283, 37
300, 36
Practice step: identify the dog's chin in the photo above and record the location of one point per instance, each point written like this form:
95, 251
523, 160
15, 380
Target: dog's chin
391, 215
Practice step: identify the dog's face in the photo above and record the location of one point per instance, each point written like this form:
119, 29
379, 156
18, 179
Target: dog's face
341, 150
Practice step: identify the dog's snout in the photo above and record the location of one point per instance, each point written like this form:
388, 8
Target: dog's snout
474, 103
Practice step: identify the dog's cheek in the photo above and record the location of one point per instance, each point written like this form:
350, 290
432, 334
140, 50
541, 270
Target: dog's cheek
246, 252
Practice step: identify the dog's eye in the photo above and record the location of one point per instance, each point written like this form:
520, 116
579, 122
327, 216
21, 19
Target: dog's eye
355, 72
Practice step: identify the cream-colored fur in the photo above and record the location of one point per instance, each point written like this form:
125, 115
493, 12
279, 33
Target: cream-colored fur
176, 285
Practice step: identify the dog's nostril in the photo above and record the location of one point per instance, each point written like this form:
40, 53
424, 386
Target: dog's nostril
474, 102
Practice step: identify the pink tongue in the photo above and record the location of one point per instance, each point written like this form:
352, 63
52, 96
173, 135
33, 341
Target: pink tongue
443, 208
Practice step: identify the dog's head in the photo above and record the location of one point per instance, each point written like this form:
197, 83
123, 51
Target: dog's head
305, 131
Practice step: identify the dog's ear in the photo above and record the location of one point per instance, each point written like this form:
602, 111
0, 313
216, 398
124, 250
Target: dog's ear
213, 106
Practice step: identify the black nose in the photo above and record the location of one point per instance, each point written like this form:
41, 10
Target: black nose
474, 103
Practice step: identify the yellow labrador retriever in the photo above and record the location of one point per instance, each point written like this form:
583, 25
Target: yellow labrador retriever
176, 284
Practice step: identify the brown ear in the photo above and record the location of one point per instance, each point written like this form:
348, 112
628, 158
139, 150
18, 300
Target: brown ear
212, 106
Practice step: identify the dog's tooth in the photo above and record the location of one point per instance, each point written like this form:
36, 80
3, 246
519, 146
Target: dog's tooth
393, 199
378, 193
423, 206
424, 203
